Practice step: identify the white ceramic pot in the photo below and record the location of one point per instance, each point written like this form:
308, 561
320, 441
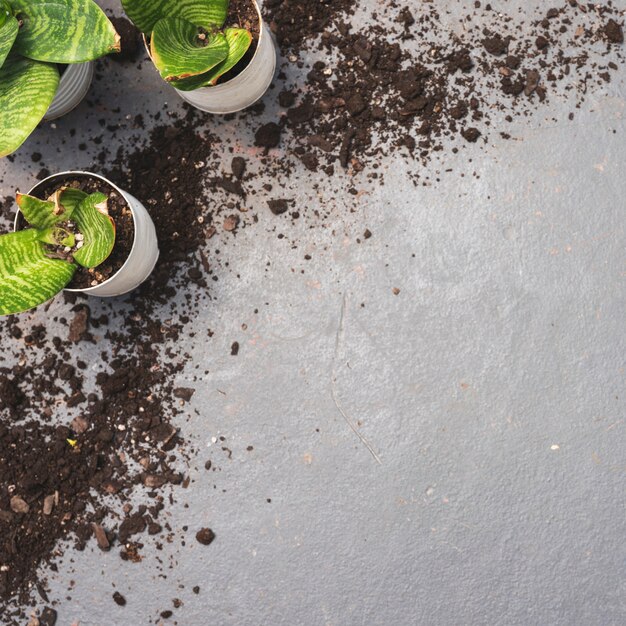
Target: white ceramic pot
73, 87
247, 87
143, 254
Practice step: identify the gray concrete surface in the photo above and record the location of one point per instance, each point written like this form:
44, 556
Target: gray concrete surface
490, 390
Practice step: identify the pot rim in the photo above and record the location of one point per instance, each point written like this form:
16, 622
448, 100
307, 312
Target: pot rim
228, 82
120, 191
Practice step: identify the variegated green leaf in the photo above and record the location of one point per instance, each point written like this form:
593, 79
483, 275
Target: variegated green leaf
38, 213
67, 200
239, 41
26, 90
46, 213
146, 13
5, 12
98, 229
9, 27
28, 277
64, 31
178, 52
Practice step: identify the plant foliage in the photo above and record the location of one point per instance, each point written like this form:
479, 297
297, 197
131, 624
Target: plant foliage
35, 35
189, 44
69, 229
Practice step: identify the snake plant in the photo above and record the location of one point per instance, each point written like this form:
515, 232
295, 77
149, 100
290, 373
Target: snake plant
189, 44
68, 230
35, 35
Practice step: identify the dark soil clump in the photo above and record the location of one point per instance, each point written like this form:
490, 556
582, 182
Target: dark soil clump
614, 32
268, 136
205, 536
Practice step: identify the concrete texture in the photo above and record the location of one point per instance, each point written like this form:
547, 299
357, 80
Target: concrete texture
453, 454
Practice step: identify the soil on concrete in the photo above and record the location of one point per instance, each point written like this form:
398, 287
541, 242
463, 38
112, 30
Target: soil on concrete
420, 89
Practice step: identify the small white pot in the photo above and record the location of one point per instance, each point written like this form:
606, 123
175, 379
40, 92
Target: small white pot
247, 87
143, 254
73, 87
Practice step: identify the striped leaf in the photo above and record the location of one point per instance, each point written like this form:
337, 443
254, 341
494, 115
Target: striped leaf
98, 229
28, 277
239, 41
38, 213
26, 90
64, 31
178, 52
146, 13
8, 31
5, 12
67, 200
47, 213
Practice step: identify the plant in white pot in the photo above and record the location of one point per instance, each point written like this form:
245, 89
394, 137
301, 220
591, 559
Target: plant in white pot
45, 50
76, 231
218, 54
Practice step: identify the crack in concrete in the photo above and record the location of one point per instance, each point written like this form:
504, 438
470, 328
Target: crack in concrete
333, 384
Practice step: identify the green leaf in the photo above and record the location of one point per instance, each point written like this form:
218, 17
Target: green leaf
146, 13
5, 12
239, 41
26, 90
97, 228
64, 31
46, 213
178, 53
68, 200
27, 277
38, 213
8, 33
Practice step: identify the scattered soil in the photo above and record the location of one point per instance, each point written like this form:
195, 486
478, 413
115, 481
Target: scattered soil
169, 176
124, 228
420, 87
294, 23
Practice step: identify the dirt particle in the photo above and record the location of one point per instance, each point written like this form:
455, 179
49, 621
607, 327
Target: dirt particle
496, 45
48, 617
205, 536
471, 134
238, 167
278, 207
614, 32
268, 136
119, 599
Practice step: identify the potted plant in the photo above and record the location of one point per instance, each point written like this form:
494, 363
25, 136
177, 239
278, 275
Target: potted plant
41, 43
218, 54
75, 230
